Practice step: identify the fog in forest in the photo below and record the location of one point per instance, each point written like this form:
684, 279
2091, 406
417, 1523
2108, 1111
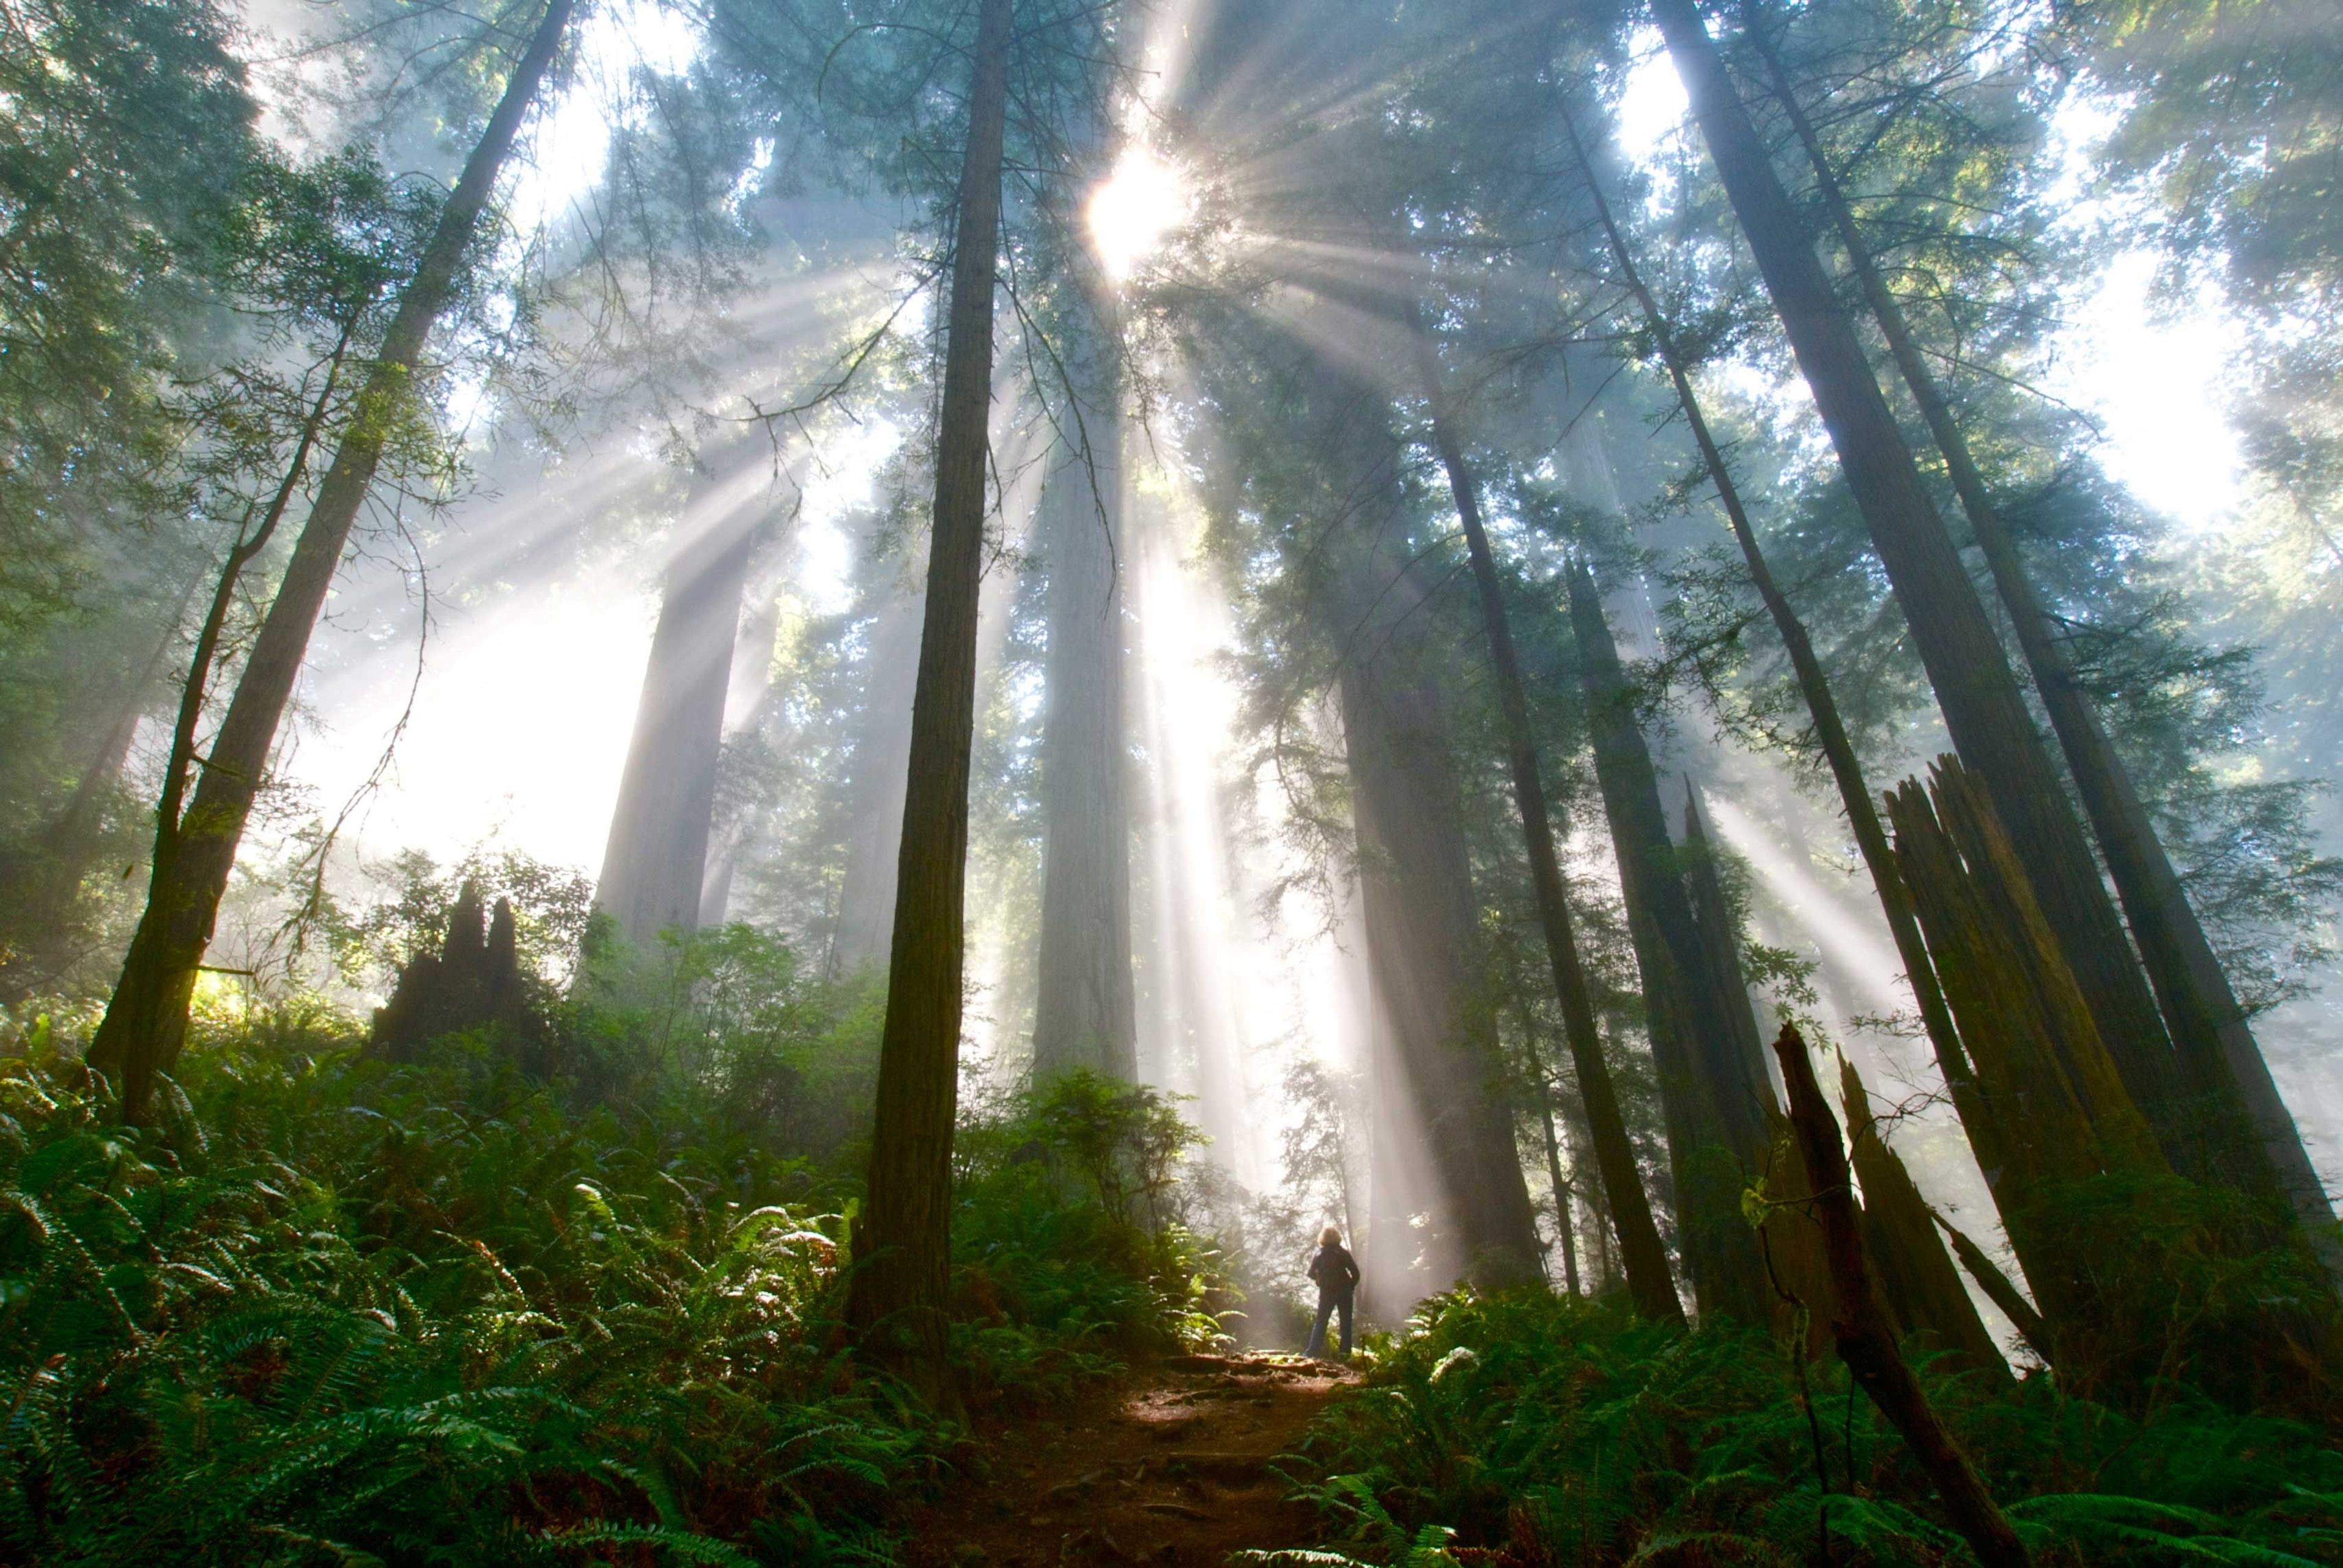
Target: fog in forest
1064, 644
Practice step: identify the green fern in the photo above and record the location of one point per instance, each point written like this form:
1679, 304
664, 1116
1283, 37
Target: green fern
1573, 1433
680, 1544
2136, 1528
332, 1310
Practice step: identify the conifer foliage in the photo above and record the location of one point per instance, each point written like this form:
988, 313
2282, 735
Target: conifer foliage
1317, 554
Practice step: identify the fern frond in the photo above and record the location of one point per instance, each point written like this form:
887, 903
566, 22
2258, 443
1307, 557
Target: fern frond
682, 1544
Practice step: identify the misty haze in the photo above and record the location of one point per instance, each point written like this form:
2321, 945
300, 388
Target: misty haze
1174, 781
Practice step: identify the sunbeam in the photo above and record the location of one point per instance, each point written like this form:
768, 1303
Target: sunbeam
1143, 200
788, 781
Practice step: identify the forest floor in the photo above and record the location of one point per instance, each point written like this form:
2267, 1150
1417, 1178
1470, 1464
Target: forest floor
1170, 1465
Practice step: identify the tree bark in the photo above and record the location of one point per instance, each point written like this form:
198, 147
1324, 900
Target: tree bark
1416, 893
1600, 1265
877, 774
2046, 1111
146, 1023
902, 1243
1899, 1235
2034, 1040
1716, 1110
1813, 685
1720, 944
1085, 1012
2243, 1128
1858, 1324
655, 862
1648, 1282
1982, 705
1999, 1290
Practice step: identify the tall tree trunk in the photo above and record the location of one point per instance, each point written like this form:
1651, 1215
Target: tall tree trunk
1717, 1111
902, 1244
1414, 865
2242, 1126
1982, 705
1720, 942
876, 776
2047, 1110
746, 698
1601, 1266
1085, 1014
656, 861
1648, 1282
1565, 1223
146, 1022
1830, 732
1417, 890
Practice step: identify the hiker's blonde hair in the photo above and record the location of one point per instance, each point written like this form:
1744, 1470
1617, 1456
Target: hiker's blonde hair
1329, 1237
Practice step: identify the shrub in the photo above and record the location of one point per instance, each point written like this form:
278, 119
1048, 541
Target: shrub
1560, 1430
331, 1308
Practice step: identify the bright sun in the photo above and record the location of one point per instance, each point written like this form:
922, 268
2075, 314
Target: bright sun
1143, 200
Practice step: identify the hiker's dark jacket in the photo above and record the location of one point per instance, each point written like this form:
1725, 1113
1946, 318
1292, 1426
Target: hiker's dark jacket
1335, 1271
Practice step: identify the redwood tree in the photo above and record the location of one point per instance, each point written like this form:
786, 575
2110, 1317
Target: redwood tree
1983, 706
146, 1023
656, 857
1415, 873
1644, 1257
902, 1241
2218, 1055
866, 893
1717, 1101
1085, 1011
1813, 685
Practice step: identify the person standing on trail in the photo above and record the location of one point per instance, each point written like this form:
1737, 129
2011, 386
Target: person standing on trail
1336, 1274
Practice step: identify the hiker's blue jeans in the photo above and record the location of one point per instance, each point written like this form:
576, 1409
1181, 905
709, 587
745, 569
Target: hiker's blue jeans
1327, 1307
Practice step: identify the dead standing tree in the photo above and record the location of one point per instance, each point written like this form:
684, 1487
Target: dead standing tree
1860, 1324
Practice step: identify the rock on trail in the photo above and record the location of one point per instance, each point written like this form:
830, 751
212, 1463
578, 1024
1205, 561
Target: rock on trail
1170, 1466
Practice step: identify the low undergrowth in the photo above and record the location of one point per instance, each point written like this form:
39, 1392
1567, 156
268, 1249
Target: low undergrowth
332, 1310
1530, 1429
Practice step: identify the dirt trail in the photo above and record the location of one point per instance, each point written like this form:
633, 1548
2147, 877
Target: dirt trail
1169, 1467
